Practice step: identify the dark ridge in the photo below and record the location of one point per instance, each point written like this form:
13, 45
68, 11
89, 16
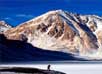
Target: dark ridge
21, 70
29, 70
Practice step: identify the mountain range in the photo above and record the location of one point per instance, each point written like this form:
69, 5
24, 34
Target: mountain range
60, 31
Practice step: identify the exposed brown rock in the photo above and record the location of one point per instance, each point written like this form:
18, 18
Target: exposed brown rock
68, 32
92, 26
99, 37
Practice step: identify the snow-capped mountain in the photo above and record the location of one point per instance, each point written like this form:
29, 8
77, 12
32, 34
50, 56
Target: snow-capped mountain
4, 26
62, 31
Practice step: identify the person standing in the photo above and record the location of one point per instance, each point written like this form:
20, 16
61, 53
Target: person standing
48, 67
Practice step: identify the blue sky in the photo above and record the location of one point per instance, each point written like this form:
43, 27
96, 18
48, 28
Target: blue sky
17, 11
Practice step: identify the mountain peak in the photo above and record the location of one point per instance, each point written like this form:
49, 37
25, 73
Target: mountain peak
59, 30
4, 26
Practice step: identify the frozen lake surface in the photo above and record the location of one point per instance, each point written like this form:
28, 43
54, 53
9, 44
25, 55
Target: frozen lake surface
66, 68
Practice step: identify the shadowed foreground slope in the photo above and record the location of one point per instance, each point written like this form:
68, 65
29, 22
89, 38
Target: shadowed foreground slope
20, 51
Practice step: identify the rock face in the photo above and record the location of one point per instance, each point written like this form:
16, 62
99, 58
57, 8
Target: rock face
4, 26
61, 31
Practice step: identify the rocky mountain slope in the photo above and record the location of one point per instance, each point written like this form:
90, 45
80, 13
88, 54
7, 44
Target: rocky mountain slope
62, 31
4, 26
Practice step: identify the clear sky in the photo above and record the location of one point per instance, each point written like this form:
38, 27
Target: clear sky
17, 11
